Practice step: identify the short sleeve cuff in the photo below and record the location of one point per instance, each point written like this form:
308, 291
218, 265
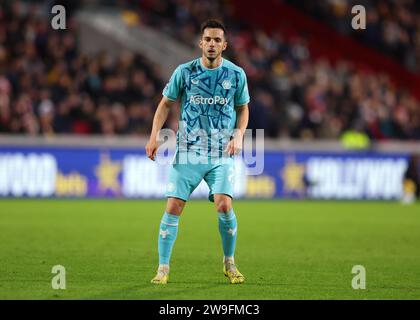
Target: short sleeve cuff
238, 104
169, 97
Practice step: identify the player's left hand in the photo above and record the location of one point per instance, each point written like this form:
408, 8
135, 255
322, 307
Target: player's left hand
234, 146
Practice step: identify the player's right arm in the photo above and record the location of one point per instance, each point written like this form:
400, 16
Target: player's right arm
170, 93
159, 119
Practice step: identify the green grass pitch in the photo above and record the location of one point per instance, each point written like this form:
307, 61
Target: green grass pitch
286, 250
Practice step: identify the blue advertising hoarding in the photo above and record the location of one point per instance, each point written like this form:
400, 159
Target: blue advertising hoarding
127, 173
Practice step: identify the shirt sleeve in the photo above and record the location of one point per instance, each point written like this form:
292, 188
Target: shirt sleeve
242, 94
173, 88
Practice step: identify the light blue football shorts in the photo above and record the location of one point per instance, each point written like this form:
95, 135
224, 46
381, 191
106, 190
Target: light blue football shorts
185, 176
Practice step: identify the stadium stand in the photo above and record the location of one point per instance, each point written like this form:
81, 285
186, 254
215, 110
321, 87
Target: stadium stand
48, 86
393, 26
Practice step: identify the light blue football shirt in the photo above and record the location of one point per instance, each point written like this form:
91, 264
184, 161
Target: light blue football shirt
208, 101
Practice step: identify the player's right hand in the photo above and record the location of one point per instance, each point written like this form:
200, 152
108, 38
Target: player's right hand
151, 149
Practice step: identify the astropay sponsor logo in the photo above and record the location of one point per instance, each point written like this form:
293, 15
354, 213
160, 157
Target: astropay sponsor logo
209, 100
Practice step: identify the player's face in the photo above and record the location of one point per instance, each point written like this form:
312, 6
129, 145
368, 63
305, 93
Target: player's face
213, 43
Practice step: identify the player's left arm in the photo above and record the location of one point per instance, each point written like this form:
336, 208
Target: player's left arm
242, 116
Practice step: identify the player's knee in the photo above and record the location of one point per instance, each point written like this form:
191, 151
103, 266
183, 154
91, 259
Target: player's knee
224, 206
175, 206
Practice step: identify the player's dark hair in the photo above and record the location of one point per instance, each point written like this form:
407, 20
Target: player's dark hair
213, 23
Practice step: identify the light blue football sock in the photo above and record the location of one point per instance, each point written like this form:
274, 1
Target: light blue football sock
167, 234
228, 228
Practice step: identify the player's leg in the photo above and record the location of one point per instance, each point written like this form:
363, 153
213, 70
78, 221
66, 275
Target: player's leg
220, 180
168, 231
183, 179
227, 224
228, 228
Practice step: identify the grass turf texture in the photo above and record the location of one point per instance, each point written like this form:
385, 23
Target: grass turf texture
286, 250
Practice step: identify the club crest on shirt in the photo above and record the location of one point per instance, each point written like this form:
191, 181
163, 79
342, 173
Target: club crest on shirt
226, 84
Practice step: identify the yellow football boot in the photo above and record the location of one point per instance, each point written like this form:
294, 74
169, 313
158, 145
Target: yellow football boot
232, 273
162, 276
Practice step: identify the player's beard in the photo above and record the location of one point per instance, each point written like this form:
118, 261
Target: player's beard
212, 58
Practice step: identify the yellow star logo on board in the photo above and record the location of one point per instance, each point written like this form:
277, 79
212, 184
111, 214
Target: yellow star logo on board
107, 173
292, 175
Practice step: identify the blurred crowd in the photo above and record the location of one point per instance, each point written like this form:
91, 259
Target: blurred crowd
293, 95
392, 26
48, 87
